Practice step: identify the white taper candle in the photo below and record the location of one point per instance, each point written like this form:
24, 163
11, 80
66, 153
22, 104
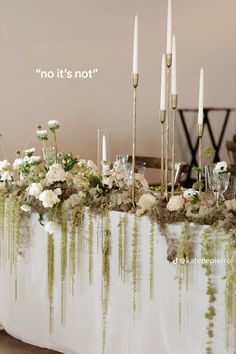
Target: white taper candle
135, 48
173, 76
201, 93
169, 28
104, 148
163, 83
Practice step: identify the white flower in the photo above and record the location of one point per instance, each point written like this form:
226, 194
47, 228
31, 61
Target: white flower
49, 198
56, 173
81, 163
175, 203
141, 179
220, 167
53, 124
42, 134
26, 208
17, 164
35, 189
92, 166
51, 227
29, 152
35, 159
4, 165
58, 191
6, 176
145, 203
190, 193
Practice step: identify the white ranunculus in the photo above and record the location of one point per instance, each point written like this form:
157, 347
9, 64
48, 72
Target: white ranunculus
190, 193
35, 159
42, 134
53, 124
6, 176
17, 164
145, 203
49, 198
58, 191
56, 173
176, 202
29, 152
26, 208
220, 167
51, 227
35, 189
4, 165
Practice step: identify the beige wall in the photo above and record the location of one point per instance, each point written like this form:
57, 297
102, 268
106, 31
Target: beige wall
79, 34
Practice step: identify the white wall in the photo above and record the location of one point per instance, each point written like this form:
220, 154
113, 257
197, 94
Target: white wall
79, 34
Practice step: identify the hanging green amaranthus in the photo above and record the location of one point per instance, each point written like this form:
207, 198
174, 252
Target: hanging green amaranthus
106, 252
183, 255
2, 231
90, 245
134, 260
151, 259
207, 254
50, 278
63, 259
230, 290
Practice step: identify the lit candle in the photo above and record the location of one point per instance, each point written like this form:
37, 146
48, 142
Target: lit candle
201, 92
173, 76
169, 28
135, 49
104, 148
163, 83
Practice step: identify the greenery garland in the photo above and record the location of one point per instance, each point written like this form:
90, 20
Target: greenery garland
230, 290
207, 254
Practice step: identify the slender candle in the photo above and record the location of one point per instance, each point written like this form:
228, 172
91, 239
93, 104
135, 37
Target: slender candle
163, 83
104, 148
169, 28
201, 93
135, 49
173, 76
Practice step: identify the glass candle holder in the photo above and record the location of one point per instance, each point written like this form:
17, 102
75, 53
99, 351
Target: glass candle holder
104, 154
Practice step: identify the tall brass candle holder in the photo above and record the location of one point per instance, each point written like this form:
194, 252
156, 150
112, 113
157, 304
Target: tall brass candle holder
135, 85
167, 125
200, 134
162, 120
174, 102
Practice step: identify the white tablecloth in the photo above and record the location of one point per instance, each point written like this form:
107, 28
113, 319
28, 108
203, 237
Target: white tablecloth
153, 329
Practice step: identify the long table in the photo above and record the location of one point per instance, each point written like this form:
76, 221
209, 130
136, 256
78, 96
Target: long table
152, 329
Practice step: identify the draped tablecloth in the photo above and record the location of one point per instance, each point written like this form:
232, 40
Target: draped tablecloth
152, 329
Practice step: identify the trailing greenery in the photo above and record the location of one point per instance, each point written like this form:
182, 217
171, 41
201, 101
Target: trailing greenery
50, 278
151, 259
135, 260
183, 256
230, 290
90, 245
63, 260
207, 253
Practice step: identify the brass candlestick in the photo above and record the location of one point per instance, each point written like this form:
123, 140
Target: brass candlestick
162, 120
168, 87
174, 101
135, 85
200, 134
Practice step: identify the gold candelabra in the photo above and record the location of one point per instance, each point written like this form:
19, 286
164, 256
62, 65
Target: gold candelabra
174, 102
200, 134
135, 85
162, 120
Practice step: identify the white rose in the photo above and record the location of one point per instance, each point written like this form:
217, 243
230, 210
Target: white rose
35, 159
6, 176
175, 203
26, 208
56, 173
53, 124
17, 164
220, 167
35, 189
51, 227
49, 198
190, 193
4, 165
29, 152
145, 203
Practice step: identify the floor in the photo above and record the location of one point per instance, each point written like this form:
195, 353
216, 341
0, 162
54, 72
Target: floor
10, 345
